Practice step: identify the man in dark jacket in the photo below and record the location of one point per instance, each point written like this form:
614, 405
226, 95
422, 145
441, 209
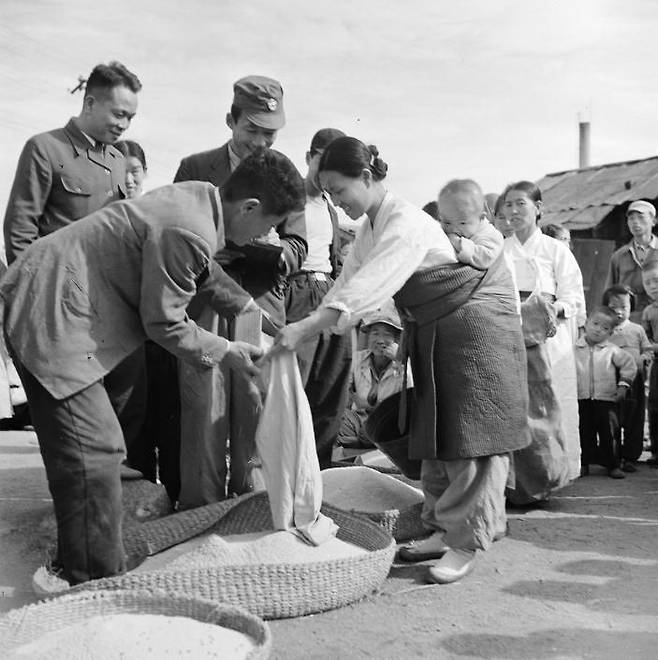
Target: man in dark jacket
207, 422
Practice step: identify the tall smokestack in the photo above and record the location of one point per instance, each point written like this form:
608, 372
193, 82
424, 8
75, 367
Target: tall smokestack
583, 144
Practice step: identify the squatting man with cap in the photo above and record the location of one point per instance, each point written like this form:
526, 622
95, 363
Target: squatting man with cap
376, 375
80, 300
215, 409
628, 262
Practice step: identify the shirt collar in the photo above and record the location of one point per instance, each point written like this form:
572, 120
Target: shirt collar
652, 244
383, 208
233, 158
581, 341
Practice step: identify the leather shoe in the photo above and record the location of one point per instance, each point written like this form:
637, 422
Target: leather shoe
433, 547
453, 566
628, 467
616, 473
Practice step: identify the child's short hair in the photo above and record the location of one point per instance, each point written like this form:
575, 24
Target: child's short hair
619, 290
603, 310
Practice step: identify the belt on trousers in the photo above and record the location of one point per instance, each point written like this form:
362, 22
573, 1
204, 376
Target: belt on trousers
318, 275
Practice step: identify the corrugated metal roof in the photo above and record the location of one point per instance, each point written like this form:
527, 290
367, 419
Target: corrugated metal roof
580, 199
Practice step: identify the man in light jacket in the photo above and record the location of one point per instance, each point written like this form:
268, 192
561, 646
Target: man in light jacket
80, 300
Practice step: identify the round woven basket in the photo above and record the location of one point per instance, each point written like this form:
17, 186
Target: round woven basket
29, 623
402, 524
271, 591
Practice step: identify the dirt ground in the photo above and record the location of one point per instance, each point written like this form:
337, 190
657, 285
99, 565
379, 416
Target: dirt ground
575, 579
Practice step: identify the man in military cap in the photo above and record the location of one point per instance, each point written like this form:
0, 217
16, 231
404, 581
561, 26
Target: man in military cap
220, 411
255, 117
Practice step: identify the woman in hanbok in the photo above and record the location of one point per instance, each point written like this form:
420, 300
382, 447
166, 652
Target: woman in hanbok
469, 407
548, 275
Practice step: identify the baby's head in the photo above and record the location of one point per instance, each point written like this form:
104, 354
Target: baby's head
620, 299
650, 281
600, 324
462, 207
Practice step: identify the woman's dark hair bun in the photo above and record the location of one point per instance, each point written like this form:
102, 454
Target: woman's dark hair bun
378, 167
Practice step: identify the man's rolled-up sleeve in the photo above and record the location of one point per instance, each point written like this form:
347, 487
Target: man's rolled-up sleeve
172, 260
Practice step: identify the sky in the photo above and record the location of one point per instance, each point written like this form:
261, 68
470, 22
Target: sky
485, 89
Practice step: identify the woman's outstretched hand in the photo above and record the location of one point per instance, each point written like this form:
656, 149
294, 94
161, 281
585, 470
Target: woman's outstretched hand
288, 338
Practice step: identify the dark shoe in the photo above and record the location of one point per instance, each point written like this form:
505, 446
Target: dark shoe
628, 467
616, 473
652, 461
584, 470
453, 566
432, 547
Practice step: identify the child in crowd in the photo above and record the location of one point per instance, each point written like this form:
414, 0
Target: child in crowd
605, 373
465, 221
650, 325
633, 339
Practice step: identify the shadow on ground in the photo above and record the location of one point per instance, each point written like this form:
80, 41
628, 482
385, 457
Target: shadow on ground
556, 643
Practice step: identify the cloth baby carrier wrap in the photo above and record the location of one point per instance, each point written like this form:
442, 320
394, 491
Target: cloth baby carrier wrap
464, 341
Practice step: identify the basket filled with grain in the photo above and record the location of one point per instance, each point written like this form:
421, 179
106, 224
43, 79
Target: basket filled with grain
386, 500
138, 625
241, 560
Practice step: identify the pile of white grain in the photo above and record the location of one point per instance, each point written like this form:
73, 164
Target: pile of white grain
367, 490
138, 637
259, 548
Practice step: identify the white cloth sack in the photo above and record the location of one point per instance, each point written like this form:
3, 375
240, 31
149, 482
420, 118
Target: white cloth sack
286, 445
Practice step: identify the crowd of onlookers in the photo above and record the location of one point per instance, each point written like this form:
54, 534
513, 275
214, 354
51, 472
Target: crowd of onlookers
501, 410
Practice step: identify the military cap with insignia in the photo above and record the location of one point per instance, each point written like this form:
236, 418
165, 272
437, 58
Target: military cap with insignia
261, 101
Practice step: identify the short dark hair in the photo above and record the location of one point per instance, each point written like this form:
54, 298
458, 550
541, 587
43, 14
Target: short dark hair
603, 310
108, 76
323, 138
619, 290
236, 112
131, 148
432, 208
349, 157
270, 177
553, 230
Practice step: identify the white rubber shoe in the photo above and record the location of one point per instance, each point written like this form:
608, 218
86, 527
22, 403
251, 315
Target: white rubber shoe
453, 566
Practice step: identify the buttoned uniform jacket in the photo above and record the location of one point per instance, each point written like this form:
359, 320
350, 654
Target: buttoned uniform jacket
80, 300
214, 166
624, 268
60, 178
